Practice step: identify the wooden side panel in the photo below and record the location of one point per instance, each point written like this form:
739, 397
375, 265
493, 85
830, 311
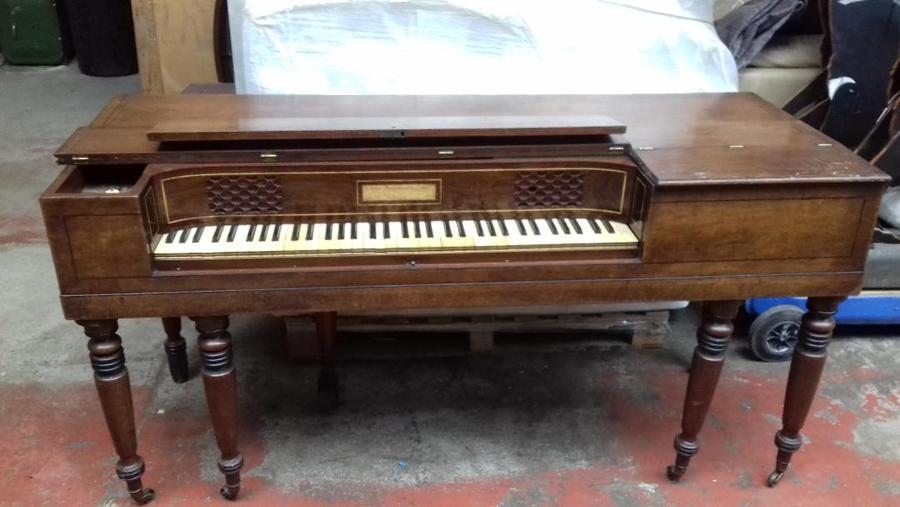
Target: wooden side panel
108, 246
753, 229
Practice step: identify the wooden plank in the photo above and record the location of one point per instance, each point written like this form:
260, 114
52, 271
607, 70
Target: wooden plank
147, 47
184, 32
298, 128
648, 329
174, 43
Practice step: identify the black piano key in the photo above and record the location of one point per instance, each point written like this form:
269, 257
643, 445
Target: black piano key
198, 232
232, 233
478, 228
608, 226
251, 233
263, 233
574, 224
309, 232
276, 234
490, 227
521, 225
428, 230
373, 227
417, 230
552, 226
340, 228
295, 232
447, 230
217, 235
170, 237
534, 227
593, 224
459, 226
353, 228
405, 229
563, 226
503, 228
328, 230
184, 236
387, 230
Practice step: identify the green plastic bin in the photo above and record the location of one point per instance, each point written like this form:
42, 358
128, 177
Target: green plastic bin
32, 32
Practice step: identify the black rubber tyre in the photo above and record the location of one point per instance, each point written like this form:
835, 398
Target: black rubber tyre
774, 333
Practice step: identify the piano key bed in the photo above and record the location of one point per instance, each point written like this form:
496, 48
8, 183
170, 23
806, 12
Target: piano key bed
394, 236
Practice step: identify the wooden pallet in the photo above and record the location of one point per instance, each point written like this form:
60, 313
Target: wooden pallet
647, 329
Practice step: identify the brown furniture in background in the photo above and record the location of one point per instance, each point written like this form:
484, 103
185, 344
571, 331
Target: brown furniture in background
717, 198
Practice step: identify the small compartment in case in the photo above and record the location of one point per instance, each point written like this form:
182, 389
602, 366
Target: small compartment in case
101, 179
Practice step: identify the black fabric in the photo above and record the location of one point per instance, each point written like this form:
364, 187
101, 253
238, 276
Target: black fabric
747, 29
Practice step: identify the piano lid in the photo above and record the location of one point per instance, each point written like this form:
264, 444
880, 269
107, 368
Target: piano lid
348, 128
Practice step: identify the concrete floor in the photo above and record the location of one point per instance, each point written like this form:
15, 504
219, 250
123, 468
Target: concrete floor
576, 424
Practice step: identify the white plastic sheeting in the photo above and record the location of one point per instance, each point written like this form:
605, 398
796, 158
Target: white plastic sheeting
477, 47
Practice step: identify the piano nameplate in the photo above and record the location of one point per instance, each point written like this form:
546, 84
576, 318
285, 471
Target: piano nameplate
388, 192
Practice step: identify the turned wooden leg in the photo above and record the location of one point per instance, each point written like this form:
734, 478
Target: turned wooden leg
114, 390
803, 379
326, 329
709, 356
176, 350
220, 384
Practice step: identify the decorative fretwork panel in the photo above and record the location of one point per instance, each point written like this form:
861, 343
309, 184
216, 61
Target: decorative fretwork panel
244, 195
549, 189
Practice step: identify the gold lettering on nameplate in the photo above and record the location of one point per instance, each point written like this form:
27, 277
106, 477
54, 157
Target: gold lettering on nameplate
388, 192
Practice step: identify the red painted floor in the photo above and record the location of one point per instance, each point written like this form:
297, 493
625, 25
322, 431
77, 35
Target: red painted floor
58, 452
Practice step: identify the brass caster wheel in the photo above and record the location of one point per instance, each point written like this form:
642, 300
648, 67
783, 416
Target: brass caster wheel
230, 492
143, 496
774, 478
675, 472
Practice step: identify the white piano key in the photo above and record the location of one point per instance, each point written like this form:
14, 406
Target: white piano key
515, 238
547, 237
584, 237
364, 232
165, 247
354, 241
432, 241
258, 243
205, 245
409, 242
289, 245
321, 241
500, 240
483, 240
237, 243
471, 232
565, 235
183, 243
454, 239
312, 233
278, 237
624, 234
392, 241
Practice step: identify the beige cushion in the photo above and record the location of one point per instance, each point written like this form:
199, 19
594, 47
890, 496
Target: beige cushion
776, 86
792, 52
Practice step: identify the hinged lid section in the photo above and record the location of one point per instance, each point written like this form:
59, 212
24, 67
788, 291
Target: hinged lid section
348, 128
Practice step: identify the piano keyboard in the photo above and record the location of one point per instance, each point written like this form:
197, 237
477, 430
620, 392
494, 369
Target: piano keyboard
400, 236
